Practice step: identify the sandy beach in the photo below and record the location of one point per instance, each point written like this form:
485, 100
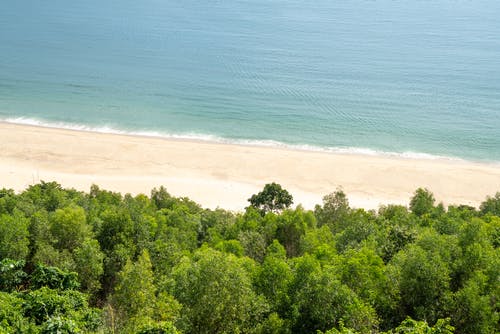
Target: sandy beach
227, 175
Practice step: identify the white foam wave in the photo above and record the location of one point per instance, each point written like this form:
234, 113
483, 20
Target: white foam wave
222, 140
105, 129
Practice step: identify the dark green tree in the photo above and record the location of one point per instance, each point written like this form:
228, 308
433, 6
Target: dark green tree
491, 205
12, 275
291, 227
42, 306
273, 198
422, 202
53, 278
7, 200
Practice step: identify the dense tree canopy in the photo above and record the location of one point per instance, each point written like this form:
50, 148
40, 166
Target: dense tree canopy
103, 262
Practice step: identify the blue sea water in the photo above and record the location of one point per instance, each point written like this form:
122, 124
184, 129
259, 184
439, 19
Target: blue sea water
408, 77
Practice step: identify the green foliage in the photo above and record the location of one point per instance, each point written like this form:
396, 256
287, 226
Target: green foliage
422, 202
89, 265
215, 226
230, 246
472, 311
335, 209
11, 275
167, 308
161, 264
491, 205
423, 278
162, 199
274, 277
363, 272
321, 301
273, 324
53, 278
135, 292
359, 227
7, 201
253, 243
410, 326
273, 198
60, 325
42, 305
395, 239
291, 226
11, 315
216, 291
319, 242
14, 236
340, 330
69, 228
161, 328
46, 195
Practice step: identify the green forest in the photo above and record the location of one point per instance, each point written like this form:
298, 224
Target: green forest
103, 262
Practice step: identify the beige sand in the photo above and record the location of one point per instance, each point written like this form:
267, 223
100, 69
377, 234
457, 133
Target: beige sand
227, 175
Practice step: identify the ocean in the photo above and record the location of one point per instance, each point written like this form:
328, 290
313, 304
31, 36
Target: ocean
404, 78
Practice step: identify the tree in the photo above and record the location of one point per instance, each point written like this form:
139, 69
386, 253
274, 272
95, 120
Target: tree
89, 265
230, 246
363, 272
266, 270
254, 244
491, 205
394, 239
472, 312
216, 291
273, 198
47, 195
53, 278
60, 309
11, 274
157, 328
7, 200
357, 227
422, 202
335, 208
292, 225
320, 243
135, 291
138, 307
410, 326
116, 240
11, 315
14, 236
161, 198
321, 301
69, 227
274, 277
423, 283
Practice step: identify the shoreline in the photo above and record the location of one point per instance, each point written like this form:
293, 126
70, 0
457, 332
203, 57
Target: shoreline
265, 143
226, 174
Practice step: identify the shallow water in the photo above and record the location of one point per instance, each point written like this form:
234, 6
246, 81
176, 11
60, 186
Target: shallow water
416, 78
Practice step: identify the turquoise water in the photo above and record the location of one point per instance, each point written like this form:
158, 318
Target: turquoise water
408, 77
